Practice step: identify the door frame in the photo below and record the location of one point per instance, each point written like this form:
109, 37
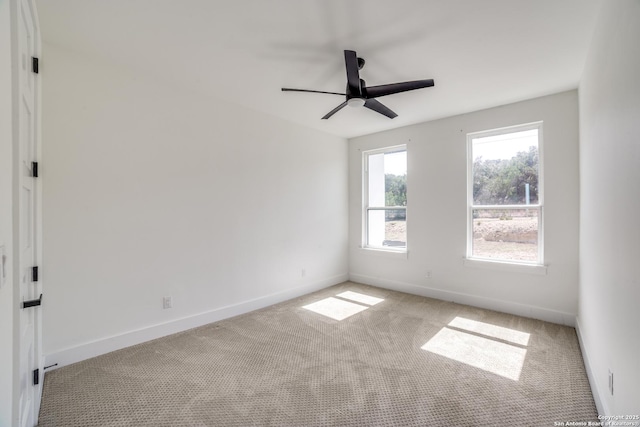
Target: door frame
15, 6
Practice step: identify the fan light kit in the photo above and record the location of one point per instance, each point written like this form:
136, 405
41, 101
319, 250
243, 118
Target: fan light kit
359, 95
356, 102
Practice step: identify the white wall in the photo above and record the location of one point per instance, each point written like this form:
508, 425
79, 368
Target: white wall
609, 312
152, 191
6, 233
436, 212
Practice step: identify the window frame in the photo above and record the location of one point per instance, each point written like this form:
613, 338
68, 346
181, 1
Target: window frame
538, 206
365, 200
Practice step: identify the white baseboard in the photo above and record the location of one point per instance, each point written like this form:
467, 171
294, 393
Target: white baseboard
601, 404
518, 309
106, 345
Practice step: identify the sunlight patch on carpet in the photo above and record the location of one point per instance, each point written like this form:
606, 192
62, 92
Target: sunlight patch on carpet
489, 330
483, 353
361, 298
335, 308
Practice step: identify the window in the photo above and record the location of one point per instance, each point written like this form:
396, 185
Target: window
505, 195
385, 199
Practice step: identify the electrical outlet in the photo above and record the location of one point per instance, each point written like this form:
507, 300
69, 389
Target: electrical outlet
303, 272
429, 274
610, 382
167, 302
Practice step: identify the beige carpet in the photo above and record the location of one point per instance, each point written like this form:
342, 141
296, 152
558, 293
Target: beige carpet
402, 361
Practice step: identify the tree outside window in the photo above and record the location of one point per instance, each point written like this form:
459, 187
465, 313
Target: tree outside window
505, 195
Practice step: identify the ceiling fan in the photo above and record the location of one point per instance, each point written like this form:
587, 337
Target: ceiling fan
358, 94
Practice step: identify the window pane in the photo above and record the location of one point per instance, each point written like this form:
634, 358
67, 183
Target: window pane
505, 169
387, 179
506, 234
387, 228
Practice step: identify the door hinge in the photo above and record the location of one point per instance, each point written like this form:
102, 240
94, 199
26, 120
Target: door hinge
34, 274
35, 64
34, 169
32, 303
36, 376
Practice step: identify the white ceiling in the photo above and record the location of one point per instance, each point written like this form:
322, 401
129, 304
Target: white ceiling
481, 53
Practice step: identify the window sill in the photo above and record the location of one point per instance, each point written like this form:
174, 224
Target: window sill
390, 253
506, 266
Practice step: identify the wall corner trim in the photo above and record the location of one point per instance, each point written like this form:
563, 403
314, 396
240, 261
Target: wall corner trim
105, 345
601, 405
524, 310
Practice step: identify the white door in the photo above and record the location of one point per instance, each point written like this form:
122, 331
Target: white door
29, 324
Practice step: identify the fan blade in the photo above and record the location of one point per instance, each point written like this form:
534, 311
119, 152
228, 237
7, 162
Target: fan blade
382, 90
353, 76
379, 107
335, 110
286, 89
